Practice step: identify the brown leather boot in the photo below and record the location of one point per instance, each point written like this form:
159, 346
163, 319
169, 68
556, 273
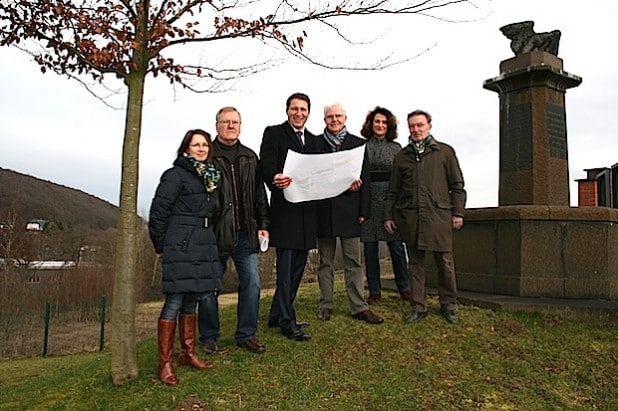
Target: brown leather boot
406, 295
186, 328
166, 331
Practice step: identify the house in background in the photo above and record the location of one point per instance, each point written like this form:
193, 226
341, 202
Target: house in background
48, 272
37, 224
599, 188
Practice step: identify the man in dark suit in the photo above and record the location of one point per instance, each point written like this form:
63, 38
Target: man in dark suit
342, 217
293, 225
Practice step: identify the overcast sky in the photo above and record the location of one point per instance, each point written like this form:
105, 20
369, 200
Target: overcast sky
53, 129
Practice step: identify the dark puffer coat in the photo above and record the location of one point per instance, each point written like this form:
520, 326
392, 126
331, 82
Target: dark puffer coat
180, 227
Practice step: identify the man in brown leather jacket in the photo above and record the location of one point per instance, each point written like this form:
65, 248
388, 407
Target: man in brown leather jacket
243, 217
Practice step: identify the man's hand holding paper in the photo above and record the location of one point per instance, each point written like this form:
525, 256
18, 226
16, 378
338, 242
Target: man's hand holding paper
319, 176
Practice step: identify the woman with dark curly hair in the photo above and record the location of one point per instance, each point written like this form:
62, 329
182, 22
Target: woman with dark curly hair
380, 129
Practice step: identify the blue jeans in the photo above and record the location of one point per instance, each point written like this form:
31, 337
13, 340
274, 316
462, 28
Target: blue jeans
372, 265
248, 307
178, 303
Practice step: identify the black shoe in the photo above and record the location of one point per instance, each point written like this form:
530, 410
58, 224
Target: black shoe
295, 334
253, 344
369, 317
415, 316
449, 315
273, 324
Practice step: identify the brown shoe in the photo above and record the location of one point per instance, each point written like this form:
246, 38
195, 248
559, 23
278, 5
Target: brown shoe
369, 317
253, 345
324, 314
406, 295
188, 356
373, 298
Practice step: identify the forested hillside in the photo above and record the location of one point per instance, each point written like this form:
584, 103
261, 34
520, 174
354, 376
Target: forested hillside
31, 197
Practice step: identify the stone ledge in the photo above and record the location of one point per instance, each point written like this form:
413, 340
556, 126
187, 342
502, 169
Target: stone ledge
542, 212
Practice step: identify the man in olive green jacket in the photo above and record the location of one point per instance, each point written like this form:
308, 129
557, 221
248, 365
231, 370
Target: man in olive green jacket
425, 201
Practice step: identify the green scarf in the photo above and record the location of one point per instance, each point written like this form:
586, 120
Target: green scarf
419, 148
210, 175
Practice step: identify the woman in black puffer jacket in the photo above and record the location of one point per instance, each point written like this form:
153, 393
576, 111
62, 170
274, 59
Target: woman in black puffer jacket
181, 230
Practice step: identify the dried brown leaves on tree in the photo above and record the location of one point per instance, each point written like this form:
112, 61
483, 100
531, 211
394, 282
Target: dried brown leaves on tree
121, 37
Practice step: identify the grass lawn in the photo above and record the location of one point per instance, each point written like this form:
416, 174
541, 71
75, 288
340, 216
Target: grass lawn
490, 361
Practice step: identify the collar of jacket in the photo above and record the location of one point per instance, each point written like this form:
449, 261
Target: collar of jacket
294, 129
184, 162
243, 151
433, 144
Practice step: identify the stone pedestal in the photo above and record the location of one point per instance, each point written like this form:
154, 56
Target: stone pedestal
538, 251
534, 244
533, 135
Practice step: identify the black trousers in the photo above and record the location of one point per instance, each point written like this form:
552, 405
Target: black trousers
290, 269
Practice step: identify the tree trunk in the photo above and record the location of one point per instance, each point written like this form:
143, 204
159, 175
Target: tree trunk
123, 339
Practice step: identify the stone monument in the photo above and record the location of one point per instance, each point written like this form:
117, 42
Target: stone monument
533, 134
533, 244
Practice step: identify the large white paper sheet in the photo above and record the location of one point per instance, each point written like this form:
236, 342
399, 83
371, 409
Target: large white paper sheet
319, 176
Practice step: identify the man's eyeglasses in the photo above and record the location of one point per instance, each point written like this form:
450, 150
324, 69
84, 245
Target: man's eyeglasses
228, 122
334, 116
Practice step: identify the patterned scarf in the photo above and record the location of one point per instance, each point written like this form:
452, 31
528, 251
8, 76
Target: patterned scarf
208, 172
419, 148
335, 141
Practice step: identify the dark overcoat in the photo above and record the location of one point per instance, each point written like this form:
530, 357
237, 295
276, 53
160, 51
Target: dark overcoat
423, 196
338, 216
293, 225
380, 154
180, 228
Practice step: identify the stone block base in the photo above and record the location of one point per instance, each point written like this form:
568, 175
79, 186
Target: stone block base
538, 251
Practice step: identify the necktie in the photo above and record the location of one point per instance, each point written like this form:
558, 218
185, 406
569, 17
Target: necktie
299, 134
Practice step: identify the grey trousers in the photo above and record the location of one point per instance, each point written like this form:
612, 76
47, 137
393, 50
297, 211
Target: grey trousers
353, 273
447, 283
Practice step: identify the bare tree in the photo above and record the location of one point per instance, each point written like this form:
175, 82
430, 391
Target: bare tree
93, 40
13, 237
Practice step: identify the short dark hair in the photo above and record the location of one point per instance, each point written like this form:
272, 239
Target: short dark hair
420, 113
298, 96
391, 122
186, 140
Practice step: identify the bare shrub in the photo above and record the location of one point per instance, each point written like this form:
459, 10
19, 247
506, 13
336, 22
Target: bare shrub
74, 294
